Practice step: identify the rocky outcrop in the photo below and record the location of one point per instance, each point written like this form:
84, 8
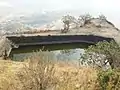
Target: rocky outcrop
94, 22
96, 26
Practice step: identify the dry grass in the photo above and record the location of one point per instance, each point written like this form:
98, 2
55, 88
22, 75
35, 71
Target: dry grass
40, 73
36, 74
8, 78
71, 78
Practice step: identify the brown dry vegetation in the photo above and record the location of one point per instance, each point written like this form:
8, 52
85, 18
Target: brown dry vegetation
39, 73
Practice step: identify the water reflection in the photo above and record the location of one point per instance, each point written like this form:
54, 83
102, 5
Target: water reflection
71, 54
60, 51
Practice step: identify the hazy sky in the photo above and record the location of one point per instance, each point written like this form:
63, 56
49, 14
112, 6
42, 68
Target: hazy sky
104, 5
110, 8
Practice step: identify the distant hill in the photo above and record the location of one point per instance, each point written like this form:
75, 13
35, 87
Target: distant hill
13, 23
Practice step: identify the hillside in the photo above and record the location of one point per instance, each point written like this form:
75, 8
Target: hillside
96, 26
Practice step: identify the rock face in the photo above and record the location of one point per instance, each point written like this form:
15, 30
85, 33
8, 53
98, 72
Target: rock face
95, 26
101, 23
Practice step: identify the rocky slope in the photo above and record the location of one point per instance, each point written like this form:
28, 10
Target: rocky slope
95, 27
94, 22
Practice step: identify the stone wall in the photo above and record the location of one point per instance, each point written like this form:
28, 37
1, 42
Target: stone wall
36, 40
9, 42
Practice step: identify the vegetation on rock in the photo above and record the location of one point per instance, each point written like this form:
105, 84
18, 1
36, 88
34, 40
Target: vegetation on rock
102, 54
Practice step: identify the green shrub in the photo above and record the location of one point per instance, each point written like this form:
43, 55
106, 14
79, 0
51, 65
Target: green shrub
109, 80
103, 53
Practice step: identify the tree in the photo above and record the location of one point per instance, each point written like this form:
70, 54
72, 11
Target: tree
102, 17
84, 19
67, 20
